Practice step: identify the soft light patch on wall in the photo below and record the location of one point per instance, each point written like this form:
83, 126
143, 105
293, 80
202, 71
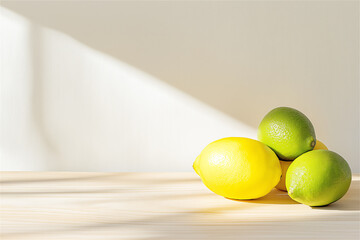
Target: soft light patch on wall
77, 109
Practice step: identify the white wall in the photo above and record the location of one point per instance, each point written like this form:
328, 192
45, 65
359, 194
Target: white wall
144, 86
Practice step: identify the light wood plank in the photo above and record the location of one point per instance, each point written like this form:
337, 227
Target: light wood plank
65, 205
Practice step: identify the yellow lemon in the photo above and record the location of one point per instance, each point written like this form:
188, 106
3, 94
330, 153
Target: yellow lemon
285, 165
238, 168
320, 145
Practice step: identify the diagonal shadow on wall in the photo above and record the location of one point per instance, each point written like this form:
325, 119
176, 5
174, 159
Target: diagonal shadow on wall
240, 58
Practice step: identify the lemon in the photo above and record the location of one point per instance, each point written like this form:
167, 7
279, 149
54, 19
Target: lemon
238, 168
320, 145
318, 178
285, 165
288, 132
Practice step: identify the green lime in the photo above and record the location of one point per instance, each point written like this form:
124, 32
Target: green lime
318, 178
288, 132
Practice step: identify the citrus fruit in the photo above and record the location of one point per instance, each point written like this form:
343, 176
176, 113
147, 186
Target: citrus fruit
284, 167
288, 132
318, 178
320, 145
238, 168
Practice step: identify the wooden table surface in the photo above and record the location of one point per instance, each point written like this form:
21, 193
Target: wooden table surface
59, 205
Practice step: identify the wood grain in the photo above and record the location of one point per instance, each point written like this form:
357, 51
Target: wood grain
59, 205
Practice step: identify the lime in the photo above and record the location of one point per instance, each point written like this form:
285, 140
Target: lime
288, 132
318, 178
238, 168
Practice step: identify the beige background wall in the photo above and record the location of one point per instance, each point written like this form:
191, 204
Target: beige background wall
144, 86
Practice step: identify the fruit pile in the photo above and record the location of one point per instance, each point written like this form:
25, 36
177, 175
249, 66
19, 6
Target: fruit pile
287, 156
